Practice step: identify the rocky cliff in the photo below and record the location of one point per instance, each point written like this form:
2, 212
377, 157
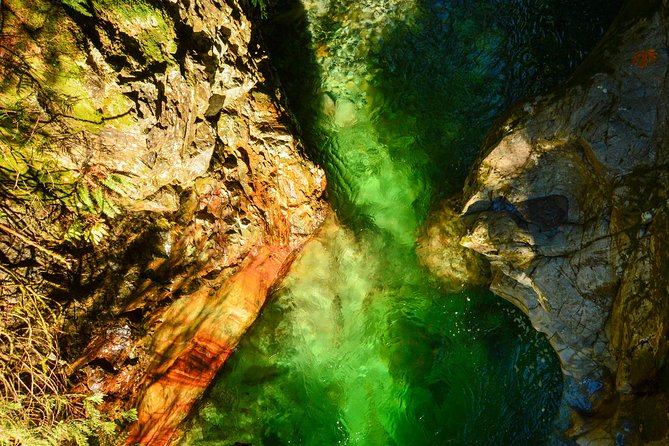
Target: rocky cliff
569, 203
185, 196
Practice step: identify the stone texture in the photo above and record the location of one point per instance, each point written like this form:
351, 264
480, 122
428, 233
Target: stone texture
568, 202
438, 248
194, 340
178, 98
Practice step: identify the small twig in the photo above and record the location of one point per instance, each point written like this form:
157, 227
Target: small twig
27, 241
34, 129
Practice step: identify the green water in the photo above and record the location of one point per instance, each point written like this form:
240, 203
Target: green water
361, 346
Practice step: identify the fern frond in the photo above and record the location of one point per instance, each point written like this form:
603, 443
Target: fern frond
98, 196
113, 186
119, 184
81, 6
84, 195
96, 233
75, 231
93, 400
110, 209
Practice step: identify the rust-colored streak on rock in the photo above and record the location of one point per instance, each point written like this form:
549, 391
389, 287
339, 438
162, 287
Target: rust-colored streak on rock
198, 334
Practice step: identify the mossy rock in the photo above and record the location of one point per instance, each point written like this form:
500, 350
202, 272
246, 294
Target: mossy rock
151, 29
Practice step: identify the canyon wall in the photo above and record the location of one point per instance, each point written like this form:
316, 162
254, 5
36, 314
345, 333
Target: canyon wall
186, 190
569, 201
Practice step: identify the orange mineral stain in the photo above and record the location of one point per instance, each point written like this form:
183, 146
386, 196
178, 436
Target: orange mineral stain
644, 57
198, 334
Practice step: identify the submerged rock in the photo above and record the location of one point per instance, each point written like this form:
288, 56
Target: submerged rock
345, 113
568, 202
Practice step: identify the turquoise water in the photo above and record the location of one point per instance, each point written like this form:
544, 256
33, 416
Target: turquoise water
360, 345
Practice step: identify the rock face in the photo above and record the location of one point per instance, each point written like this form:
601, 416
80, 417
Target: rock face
211, 144
194, 340
569, 203
439, 250
178, 99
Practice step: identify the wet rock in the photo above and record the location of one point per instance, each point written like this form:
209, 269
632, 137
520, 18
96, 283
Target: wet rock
110, 348
327, 106
221, 197
589, 395
439, 249
197, 336
568, 201
345, 113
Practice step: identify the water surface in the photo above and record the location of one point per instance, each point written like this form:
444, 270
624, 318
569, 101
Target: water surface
361, 346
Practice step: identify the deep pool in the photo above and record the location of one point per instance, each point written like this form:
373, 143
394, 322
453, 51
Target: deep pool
361, 346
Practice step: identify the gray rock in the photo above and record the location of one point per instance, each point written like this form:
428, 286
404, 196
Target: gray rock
568, 202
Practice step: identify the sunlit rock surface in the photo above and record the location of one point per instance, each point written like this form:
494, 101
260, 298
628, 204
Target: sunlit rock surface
222, 195
439, 249
197, 335
568, 201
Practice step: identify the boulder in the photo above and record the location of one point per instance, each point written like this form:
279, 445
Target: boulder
569, 203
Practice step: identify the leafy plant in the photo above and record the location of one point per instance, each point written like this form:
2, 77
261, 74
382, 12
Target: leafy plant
261, 5
97, 197
42, 204
80, 430
35, 408
81, 6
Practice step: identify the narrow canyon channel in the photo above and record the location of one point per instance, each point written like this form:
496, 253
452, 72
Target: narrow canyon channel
361, 345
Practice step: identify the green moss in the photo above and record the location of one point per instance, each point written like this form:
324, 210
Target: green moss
151, 27
70, 82
80, 6
116, 106
48, 64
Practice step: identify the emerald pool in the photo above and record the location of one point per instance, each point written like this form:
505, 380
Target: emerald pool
360, 345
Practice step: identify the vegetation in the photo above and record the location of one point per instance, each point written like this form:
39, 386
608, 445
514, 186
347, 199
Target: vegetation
261, 6
57, 206
35, 407
49, 212
80, 6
